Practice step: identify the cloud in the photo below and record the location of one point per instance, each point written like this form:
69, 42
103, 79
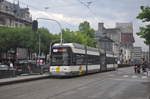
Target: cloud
56, 16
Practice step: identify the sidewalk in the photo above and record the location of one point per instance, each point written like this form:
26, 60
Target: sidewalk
18, 79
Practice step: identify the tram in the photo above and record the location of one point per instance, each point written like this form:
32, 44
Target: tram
70, 59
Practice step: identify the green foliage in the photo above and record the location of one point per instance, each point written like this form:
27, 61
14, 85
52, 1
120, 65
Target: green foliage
68, 36
46, 38
86, 29
11, 38
145, 14
145, 17
25, 38
145, 33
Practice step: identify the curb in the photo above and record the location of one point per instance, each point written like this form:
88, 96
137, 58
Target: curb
15, 80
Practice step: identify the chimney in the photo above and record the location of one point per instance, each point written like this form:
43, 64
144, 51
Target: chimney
100, 27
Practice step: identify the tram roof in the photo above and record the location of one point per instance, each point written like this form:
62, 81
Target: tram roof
78, 46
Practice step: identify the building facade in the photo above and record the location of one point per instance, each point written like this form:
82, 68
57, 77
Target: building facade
127, 38
109, 39
12, 15
145, 56
136, 55
127, 41
122, 37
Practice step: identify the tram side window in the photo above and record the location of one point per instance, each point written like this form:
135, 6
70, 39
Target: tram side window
78, 59
110, 60
89, 59
92, 59
97, 60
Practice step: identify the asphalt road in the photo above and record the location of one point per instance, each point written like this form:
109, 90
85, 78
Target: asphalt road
121, 84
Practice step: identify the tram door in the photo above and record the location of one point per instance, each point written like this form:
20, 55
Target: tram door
103, 62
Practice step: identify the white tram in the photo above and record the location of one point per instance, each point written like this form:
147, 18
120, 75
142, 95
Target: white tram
71, 59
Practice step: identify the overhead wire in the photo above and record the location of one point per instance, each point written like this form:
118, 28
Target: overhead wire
88, 7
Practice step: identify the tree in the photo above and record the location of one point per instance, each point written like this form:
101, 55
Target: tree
46, 38
145, 31
145, 17
12, 38
68, 36
86, 29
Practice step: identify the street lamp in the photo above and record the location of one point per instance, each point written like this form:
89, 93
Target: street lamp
61, 41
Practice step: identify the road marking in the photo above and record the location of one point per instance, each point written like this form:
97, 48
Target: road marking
134, 76
132, 80
125, 76
144, 77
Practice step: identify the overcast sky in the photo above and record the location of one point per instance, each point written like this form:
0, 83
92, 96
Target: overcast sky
70, 13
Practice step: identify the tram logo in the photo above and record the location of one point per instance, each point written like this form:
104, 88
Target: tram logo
57, 69
81, 69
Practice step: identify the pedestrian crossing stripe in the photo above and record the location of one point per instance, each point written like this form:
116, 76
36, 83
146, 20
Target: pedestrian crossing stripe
135, 76
143, 77
125, 76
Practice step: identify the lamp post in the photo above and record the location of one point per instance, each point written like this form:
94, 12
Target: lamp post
61, 36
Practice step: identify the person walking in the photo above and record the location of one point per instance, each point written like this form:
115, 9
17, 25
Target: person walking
145, 67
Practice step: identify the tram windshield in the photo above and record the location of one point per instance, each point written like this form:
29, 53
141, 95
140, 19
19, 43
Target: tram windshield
59, 57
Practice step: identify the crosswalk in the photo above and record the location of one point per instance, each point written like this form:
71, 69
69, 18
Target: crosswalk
136, 76
130, 77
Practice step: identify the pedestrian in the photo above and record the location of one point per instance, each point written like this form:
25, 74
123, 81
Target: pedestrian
138, 69
145, 67
135, 68
11, 65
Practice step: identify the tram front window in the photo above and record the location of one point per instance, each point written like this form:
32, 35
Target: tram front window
59, 57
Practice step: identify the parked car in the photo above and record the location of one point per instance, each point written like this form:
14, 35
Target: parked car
26, 67
6, 71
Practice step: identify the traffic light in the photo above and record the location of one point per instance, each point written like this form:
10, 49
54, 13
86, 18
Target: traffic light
34, 25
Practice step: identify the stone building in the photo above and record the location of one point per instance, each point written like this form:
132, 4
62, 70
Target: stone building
136, 54
12, 15
122, 40
127, 40
113, 36
145, 55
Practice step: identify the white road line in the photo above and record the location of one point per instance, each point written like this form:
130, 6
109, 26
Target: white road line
134, 76
132, 80
144, 77
125, 76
